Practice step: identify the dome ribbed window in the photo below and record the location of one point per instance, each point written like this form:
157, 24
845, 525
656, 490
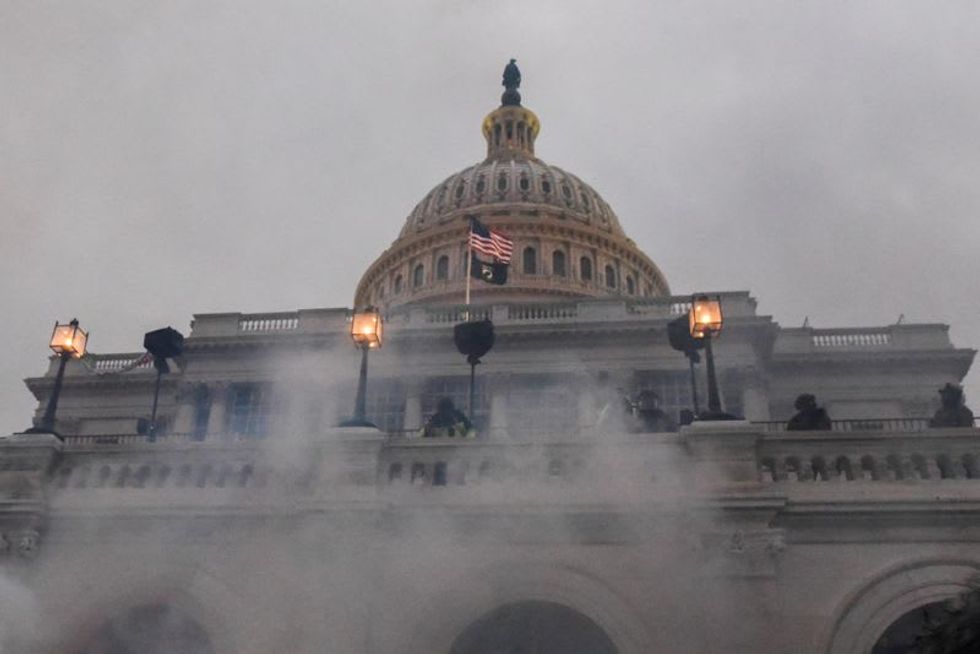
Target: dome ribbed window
530, 261
558, 263
442, 268
585, 269
610, 277
418, 276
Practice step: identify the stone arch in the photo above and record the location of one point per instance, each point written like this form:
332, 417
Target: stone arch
485, 591
153, 628
554, 629
209, 602
867, 613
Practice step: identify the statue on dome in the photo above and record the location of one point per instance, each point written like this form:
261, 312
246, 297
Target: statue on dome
512, 81
953, 413
809, 416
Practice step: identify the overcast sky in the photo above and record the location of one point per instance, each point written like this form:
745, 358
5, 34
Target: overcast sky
159, 159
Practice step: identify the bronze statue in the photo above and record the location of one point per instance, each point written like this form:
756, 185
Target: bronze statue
512, 81
809, 416
953, 413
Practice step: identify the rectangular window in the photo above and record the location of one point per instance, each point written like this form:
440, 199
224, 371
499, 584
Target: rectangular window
385, 405
672, 388
251, 407
538, 403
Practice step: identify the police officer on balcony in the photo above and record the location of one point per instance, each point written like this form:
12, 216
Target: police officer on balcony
448, 421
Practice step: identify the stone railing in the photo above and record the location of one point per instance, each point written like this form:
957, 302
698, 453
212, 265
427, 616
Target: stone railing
459, 313
305, 321
269, 322
453, 462
934, 454
736, 451
860, 425
112, 363
798, 340
853, 338
528, 312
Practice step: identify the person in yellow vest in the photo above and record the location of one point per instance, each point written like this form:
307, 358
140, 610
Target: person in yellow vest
448, 421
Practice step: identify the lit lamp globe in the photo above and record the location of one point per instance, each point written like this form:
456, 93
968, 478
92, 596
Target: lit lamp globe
68, 340
367, 328
705, 317
705, 321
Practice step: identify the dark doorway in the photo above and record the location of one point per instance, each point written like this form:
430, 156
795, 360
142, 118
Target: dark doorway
153, 629
533, 628
951, 627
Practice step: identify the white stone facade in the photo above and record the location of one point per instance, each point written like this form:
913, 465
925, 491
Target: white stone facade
252, 523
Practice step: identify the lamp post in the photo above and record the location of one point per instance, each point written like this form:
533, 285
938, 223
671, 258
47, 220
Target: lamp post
67, 341
366, 330
163, 344
705, 321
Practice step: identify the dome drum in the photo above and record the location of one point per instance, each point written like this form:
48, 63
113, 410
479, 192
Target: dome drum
554, 259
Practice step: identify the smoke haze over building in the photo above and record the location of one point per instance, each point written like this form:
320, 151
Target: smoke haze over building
160, 161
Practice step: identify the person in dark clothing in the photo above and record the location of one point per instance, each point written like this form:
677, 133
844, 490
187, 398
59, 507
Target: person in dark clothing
448, 421
650, 418
809, 416
953, 413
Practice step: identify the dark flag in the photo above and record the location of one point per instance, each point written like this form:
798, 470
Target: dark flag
491, 273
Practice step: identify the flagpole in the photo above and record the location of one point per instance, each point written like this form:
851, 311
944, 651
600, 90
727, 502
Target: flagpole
469, 276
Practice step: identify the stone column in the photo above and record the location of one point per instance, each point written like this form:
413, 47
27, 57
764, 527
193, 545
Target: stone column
186, 405
219, 409
413, 405
585, 403
498, 405
755, 403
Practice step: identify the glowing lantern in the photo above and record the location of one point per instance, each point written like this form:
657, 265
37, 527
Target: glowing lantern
705, 316
68, 340
366, 327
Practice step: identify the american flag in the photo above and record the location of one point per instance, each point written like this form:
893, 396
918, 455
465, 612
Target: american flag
489, 242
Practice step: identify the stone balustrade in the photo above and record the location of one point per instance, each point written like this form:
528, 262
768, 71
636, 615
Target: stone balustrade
737, 451
934, 454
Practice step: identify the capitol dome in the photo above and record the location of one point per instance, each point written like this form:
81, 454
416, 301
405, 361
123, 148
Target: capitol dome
568, 242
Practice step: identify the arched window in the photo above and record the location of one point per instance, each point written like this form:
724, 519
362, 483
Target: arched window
530, 261
610, 277
630, 285
418, 276
398, 284
442, 267
585, 269
558, 263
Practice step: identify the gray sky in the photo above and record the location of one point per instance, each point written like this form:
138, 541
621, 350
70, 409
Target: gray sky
159, 159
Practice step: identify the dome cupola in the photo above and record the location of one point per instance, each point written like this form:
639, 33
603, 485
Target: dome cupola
568, 242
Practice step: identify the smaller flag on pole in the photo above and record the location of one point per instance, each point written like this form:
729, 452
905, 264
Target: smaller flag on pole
490, 243
491, 273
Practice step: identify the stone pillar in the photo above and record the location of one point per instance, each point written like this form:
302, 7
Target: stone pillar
186, 405
755, 403
498, 406
217, 420
722, 451
413, 405
586, 406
